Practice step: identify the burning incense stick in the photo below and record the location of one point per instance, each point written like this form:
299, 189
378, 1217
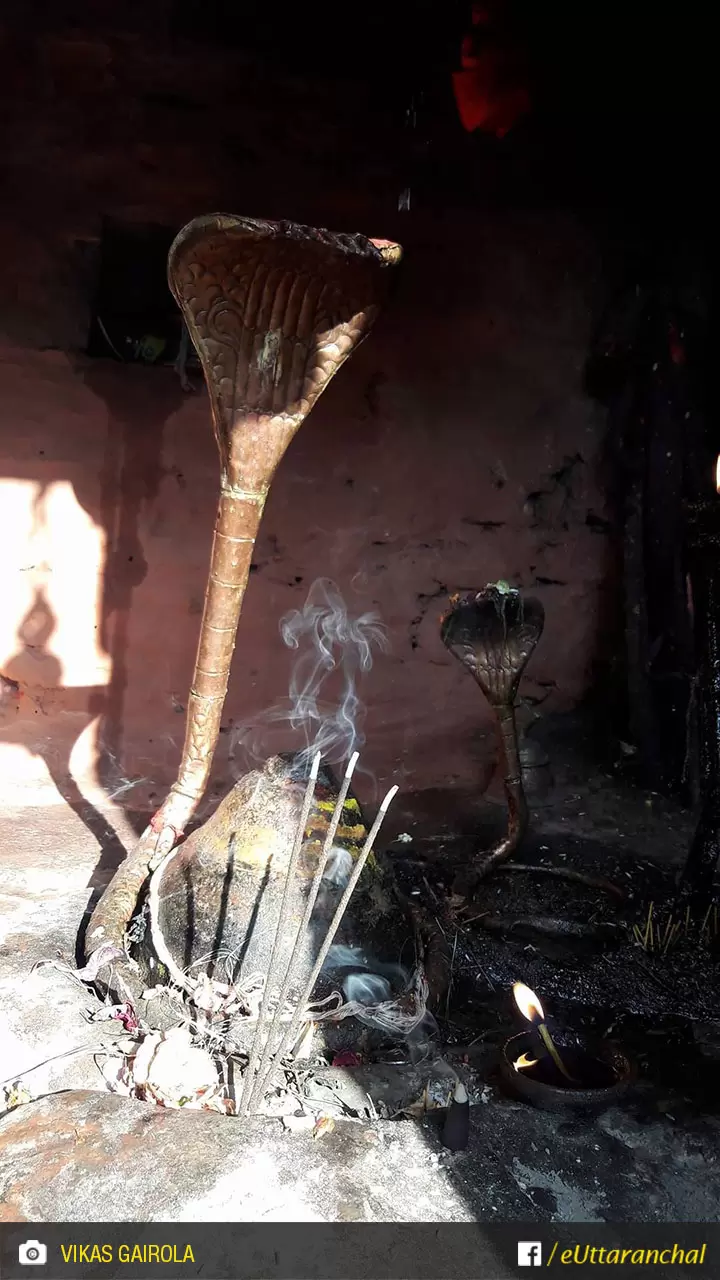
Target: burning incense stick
279, 935
312, 898
456, 1130
261, 1087
531, 1008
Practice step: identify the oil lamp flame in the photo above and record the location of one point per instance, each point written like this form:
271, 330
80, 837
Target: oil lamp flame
528, 1003
717, 474
523, 1063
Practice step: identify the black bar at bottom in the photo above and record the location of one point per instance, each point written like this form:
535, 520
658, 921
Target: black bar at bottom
354, 1251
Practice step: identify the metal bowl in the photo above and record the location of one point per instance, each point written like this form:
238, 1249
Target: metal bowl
603, 1071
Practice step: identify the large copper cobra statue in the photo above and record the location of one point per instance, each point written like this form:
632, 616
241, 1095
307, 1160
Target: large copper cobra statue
274, 310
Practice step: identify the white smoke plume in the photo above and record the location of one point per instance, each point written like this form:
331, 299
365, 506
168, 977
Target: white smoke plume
333, 650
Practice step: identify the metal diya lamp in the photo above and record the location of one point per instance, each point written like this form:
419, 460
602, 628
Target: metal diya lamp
562, 1071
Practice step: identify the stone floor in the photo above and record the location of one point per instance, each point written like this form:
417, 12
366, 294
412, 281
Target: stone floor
74, 1152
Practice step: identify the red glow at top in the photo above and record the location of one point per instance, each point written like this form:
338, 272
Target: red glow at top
489, 93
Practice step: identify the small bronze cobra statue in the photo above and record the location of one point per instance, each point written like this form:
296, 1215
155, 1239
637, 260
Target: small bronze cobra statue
493, 633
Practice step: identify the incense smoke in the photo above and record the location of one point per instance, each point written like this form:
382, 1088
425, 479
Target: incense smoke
338, 867
383, 996
367, 988
333, 650
343, 957
338, 870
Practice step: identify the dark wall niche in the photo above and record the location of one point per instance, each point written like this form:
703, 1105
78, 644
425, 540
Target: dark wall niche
135, 318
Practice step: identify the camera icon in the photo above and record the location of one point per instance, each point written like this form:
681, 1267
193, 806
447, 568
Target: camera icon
32, 1254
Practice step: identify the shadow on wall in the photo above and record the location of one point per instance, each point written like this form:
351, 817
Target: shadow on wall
34, 635
132, 473
35, 682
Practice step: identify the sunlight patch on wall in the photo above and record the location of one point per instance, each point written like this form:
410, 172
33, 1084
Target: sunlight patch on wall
50, 584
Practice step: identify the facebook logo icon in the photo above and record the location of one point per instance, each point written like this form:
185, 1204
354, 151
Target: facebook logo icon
529, 1253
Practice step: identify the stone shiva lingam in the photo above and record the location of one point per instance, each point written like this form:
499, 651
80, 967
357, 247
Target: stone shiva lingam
216, 901
273, 310
493, 633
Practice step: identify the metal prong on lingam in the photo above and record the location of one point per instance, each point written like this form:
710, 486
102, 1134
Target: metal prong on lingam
309, 907
182, 980
283, 914
261, 1087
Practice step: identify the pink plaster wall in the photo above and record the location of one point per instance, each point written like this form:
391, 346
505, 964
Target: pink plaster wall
412, 478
